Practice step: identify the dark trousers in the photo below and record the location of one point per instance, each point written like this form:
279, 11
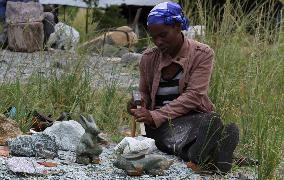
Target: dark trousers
193, 137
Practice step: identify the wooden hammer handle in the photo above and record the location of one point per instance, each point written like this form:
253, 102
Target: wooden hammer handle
133, 128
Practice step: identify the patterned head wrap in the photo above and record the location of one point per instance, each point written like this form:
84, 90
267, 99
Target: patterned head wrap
167, 13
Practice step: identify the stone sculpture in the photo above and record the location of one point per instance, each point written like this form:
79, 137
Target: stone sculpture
88, 150
136, 164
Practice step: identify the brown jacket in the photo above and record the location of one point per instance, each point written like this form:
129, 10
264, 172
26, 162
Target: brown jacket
196, 60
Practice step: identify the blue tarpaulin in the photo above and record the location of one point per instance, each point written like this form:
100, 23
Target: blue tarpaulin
2, 9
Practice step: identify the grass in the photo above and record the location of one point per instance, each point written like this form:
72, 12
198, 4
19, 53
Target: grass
246, 88
247, 82
68, 91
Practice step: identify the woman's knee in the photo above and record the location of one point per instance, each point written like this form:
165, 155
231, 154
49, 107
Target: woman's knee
213, 120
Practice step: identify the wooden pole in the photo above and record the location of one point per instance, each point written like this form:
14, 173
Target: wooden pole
137, 16
87, 23
135, 22
64, 11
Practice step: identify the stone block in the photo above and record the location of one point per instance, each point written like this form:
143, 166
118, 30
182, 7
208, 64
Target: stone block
26, 37
21, 12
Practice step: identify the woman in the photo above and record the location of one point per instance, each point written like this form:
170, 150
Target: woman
174, 81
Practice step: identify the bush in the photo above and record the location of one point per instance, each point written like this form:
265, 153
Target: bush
109, 18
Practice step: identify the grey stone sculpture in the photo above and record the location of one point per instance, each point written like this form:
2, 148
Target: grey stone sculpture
88, 150
36, 145
136, 164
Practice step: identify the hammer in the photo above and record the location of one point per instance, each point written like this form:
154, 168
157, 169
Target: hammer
138, 102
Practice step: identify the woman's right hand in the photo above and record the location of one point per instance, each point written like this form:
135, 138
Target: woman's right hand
131, 105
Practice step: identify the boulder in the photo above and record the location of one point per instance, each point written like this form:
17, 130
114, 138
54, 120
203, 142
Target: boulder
26, 37
132, 145
36, 145
195, 32
121, 37
23, 12
8, 129
25, 27
67, 134
64, 37
3, 34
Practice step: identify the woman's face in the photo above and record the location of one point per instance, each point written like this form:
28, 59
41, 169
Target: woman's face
165, 37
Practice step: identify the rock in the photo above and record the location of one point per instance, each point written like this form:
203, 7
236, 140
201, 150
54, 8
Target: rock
4, 151
122, 36
64, 37
67, 134
24, 165
88, 150
150, 164
119, 37
131, 57
132, 145
48, 25
38, 145
26, 37
23, 12
8, 129
25, 27
194, 32
113, 51
3, 33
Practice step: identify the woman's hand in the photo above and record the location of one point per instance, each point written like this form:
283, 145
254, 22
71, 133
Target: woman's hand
143, 115
131, 105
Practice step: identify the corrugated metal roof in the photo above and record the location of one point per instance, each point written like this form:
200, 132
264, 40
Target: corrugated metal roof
76, 3
103, 3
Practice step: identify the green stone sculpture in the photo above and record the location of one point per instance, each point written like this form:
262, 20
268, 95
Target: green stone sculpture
136, 164
88, 150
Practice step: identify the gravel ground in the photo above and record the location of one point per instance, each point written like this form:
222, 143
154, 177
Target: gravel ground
22, 65
68, 169
101, 69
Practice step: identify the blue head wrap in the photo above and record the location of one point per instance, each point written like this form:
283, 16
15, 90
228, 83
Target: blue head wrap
167, 13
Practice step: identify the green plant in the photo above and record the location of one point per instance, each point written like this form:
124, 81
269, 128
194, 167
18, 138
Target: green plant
69, 90
110, 18
247, 81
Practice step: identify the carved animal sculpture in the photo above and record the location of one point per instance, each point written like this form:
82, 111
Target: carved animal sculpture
88, 150
136, 165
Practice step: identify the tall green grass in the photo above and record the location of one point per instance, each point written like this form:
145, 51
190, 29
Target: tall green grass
247, 82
